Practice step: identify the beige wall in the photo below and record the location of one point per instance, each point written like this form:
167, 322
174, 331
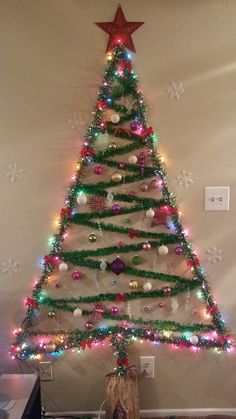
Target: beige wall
51, 57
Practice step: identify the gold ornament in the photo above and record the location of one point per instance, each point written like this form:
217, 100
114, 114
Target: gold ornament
133, 284
112, 146
51, 314
116, 177
92, 237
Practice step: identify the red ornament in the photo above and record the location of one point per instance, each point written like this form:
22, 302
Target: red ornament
103, 104
193, 262
166, 290
76, 275
120, 297
31, 302
84, 343
124, 65
160, 216
119, 30
122, 362
51, 260
98, 170
87, 152
121, 165
98, 311
212, 310
134, 233
66, 212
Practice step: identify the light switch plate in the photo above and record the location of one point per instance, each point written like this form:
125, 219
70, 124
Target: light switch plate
216, 198
46, 371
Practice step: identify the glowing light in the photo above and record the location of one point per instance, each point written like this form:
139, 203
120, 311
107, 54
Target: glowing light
109, 56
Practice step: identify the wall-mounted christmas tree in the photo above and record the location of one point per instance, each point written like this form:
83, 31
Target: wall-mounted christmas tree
121, 267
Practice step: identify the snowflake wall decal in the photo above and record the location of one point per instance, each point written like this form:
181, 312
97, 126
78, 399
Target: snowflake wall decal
10, 267
14, 172
75, 123
184, 178
214, 255
175, 90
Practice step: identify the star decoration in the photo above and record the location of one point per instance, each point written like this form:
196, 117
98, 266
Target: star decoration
119, 30
14, 172
214, 255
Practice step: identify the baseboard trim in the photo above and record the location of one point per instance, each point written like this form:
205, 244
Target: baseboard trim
155, 413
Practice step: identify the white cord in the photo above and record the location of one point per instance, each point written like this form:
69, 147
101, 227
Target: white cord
100, 410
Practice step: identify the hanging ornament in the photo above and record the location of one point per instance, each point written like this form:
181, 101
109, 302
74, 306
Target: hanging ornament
194, 339
116, 208
121, 243
103, 104
150, 213
51, 314
163, 250
115, 118
77, 312
133, 284
154, 184
133, 159
81, 199
136, 260
110, 197
147, 286
147, 246
88, 325
179, 250
112, 146
122, 166
114, 310
160, 305
97, 203
142, 159
103, 265
63, 267
160, 217
143, 187
92, 238
118, 266
116, 177
76, 275
134, 126
98, 170
166, 290
98, 312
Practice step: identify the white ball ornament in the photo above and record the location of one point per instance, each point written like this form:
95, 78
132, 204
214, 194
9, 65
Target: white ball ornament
150, 213
194, 339
63, 267
133, 159
147, 286
77, 312
103, 265
163, 250
81, 199
115, 117
110, 197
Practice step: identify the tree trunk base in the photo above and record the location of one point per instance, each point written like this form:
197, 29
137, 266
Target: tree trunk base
122, 400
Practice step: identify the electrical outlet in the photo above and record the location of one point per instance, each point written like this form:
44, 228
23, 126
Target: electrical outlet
216, 198
46, 371
147, 366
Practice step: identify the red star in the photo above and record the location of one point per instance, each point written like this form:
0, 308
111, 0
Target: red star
119, 30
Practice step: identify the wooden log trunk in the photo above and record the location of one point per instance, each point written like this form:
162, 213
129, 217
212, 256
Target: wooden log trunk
122, 401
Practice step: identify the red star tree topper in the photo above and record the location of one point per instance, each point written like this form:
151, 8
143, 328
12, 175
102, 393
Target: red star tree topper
120, 30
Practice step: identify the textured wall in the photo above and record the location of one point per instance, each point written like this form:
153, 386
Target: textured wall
51, 59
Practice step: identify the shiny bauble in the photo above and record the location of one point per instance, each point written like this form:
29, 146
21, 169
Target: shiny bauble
103, 265
143, 187
160, 305
76, 275
88, 325
194, 340
115, 118
51, 314
136, 260
98, 170
133, 159
63, 267
116, 177
121, 166
154, 184
147, 246
92, 238
114, 310
166, 291
163, 250
116, 208
133, 284
147, 286
150, 213
112, 146
118, 266
77, 312
81, 199
179, 250
134, 125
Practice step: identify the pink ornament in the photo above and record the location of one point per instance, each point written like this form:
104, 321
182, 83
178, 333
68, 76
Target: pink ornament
116, 208
166, 290
160, 305
114, 310
131, 193
143, 187
98, 170
121, 165
147, 246
120, 244
88, 325
76, 275
154, 184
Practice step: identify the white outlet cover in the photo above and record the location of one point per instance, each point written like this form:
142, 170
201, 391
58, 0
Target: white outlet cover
216, 198
147, 366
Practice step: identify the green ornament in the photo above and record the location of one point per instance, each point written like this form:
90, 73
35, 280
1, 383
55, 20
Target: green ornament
136, 260
92, 237
127, 221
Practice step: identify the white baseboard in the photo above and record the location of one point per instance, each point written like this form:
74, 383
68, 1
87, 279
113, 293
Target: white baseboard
155, 413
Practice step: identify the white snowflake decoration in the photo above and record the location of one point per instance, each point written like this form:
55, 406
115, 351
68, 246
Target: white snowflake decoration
75, 123
175, 90
10, 267
185, 178
214, 255
14, 172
